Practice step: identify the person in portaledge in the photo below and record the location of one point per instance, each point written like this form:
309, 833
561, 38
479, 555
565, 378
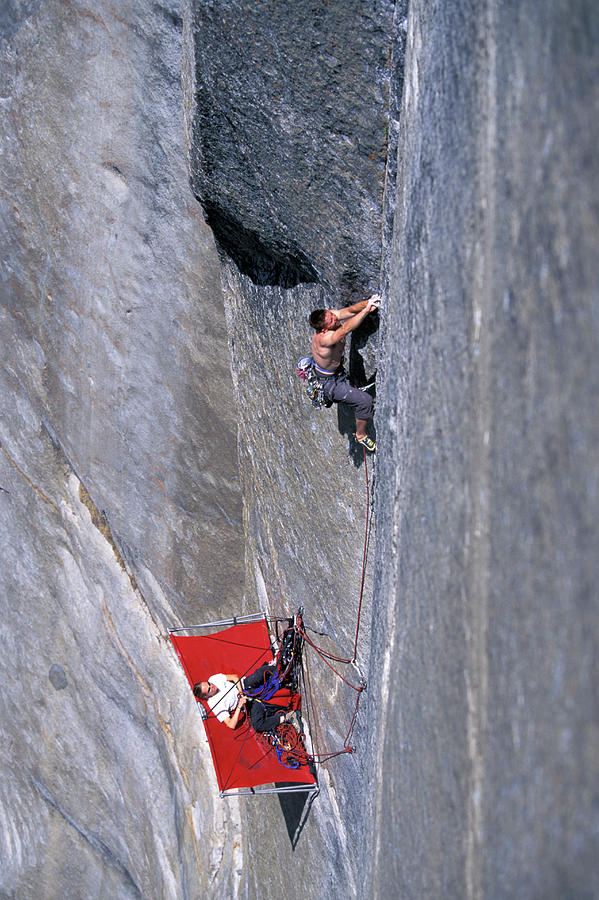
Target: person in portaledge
225, 697
328, 345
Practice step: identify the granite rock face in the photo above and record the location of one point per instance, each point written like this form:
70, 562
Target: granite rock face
289, 134
120, 502
288, 121
137, 415
486, 728
478, 732
113, 274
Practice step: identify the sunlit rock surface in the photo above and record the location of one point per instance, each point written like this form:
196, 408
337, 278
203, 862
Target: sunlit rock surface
288, 120
485, 741
470, 199
120, 502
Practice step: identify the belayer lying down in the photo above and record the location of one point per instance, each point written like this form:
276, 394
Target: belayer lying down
227, 695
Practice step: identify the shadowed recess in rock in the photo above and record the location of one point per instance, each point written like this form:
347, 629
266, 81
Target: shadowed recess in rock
288, 121
263, 263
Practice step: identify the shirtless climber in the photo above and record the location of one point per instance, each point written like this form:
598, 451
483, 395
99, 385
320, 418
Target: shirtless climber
224, 695
328, 344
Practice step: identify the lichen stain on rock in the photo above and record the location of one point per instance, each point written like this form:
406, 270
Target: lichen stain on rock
31, 484
101, 523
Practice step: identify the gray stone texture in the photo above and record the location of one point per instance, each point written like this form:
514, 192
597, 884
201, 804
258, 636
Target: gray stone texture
485, 748
469, 196
112, 274
120, 506
289, 134
288, 112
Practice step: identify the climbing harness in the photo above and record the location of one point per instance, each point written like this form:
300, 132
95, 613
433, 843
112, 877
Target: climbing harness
306, 370
314, 388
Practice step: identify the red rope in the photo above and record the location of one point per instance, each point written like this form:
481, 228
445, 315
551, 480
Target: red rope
252, 666
322, 652
351, 724
324, 656
324, 757
364, 557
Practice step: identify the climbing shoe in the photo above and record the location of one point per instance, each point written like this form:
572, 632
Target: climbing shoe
366, 442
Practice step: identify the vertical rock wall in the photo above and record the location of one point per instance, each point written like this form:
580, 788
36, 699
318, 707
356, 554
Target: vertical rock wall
479, 732
288, 117
120, 508
289, 135
484, 734
114, 274
120, 505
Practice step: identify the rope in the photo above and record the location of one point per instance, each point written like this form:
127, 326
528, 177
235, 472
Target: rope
251, 668
351, 724
326, 656
209, 712
247, 734
364, 556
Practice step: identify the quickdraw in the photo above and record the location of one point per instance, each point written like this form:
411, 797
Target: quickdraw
314, 388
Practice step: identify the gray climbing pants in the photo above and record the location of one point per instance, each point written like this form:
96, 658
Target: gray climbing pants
338, 389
